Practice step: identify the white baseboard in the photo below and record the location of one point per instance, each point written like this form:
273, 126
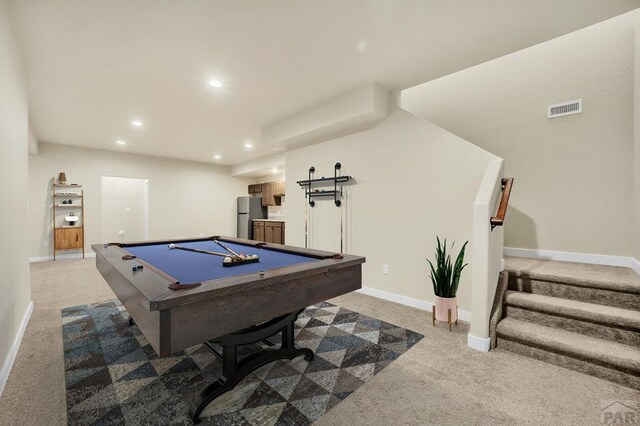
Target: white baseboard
478, 343
408, 301
62, 256
565, 256
635, 265
11, 357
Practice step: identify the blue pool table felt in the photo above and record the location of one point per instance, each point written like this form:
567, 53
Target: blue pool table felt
189, 267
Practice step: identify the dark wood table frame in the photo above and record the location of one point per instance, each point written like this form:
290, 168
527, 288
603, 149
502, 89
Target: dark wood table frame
228, 312
233, 370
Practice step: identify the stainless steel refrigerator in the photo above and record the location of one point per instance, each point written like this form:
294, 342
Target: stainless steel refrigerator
249, 208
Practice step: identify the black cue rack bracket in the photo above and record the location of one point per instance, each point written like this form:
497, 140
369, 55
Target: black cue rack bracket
336, 193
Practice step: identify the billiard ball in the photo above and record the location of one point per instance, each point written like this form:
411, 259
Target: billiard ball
227, 259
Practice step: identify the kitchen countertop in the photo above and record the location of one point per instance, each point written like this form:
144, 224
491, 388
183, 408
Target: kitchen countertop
268, 220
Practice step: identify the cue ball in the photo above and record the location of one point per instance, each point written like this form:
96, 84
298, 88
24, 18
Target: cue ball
172, 246
254, 256
227, 259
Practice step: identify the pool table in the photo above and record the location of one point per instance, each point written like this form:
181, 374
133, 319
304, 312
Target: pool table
180, 298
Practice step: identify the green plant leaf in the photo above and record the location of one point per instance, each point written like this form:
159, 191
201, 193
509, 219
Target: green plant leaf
445, 274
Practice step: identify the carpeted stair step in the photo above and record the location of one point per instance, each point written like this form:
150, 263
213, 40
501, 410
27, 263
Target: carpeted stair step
608, 360
600, 321
605, 285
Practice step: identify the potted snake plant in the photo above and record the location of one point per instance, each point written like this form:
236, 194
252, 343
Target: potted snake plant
445, 277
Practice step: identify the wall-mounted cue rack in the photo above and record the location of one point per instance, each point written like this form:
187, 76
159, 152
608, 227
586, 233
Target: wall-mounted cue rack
309, 193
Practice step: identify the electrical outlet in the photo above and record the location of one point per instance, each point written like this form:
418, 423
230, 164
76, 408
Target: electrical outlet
45, 244
385, 269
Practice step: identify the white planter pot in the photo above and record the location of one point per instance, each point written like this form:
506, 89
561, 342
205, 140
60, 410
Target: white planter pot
442, 306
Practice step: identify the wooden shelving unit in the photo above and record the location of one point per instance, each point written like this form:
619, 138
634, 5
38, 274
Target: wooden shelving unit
67, 237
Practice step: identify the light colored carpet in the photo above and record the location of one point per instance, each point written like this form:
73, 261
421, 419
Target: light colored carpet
577, 316
439, 381
579, 274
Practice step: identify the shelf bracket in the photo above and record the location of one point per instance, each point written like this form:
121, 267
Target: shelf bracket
336, 200
312, 170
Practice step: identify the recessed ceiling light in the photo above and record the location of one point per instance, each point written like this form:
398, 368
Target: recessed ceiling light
136, 123
121, 142
217, 156
274, 170
248, 145
362, 45
215, 83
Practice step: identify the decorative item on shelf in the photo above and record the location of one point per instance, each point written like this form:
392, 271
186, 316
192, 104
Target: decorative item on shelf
72, 219
65, 202
62, 178
445, 277
70, 201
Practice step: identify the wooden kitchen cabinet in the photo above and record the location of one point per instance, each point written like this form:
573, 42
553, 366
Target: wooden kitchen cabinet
256, 188
258, 230
69, 238
279, 189
268, 198
268, 231
272, 193
273, 232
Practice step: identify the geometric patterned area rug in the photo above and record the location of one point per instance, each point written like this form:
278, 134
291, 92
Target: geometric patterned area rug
114, 377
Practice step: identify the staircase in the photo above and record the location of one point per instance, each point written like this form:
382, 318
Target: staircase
582, 317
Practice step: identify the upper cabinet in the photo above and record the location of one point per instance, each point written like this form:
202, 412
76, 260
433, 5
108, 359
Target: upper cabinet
279, 189
272, 193
256, 188
268, 199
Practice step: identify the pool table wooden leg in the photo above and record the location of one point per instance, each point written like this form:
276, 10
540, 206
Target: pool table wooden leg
233, 371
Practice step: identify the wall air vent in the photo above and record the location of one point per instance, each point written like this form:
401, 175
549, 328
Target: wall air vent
565, 108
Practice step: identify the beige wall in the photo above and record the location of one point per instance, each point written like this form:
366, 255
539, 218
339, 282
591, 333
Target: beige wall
274, 177
14, 267
413, 181
636, 150
573, 187
124, 209
186, 199
488, 248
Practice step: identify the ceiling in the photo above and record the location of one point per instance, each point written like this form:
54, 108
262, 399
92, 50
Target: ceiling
94, 66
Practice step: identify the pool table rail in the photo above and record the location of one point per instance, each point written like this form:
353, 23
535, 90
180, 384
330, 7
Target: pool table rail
227, 286
173, 320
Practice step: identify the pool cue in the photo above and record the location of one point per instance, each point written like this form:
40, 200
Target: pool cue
201, 251
226, 248
341, 221
306, 218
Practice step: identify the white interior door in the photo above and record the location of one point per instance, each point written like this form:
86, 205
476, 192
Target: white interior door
125, 209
